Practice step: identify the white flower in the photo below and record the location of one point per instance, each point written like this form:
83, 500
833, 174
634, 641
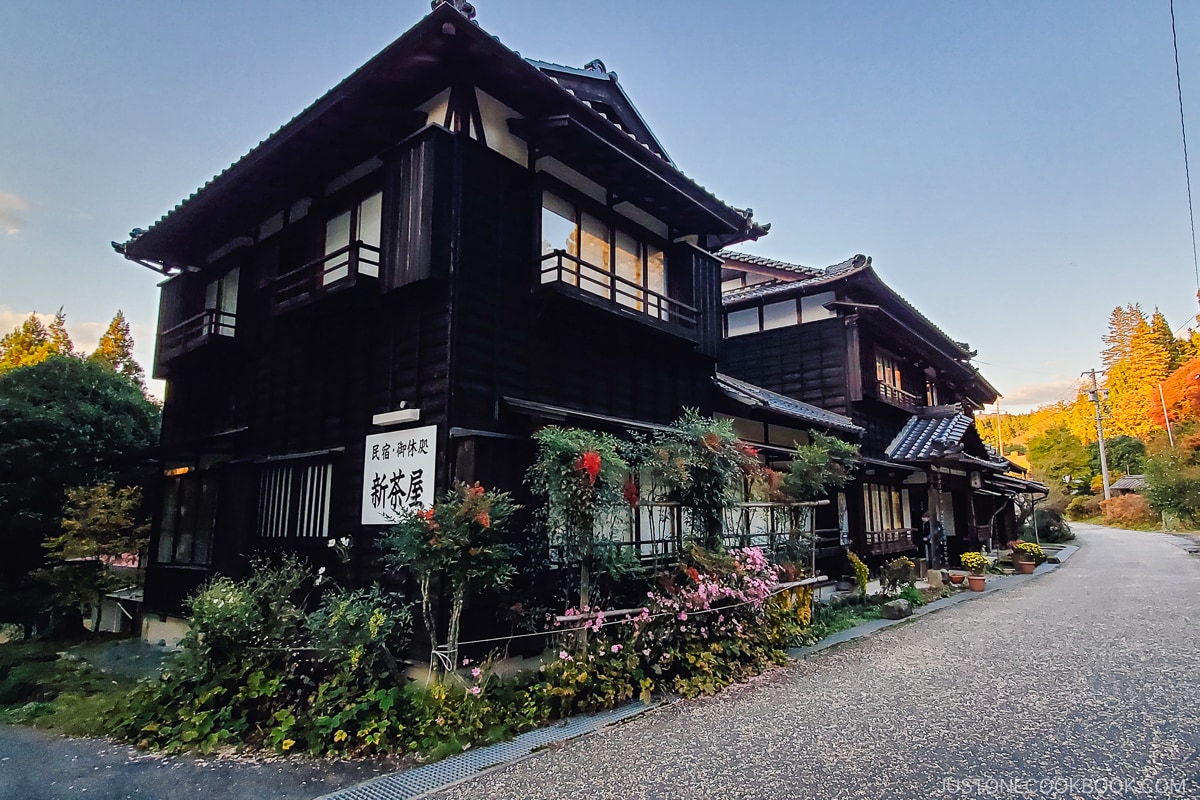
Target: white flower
331, 543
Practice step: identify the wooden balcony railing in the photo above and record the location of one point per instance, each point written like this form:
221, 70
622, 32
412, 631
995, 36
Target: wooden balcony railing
898, 397
656, 531
195, 332
561, 267
340, 269
882, 543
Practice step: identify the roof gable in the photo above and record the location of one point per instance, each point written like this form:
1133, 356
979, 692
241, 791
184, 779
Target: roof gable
374, 108
600, 90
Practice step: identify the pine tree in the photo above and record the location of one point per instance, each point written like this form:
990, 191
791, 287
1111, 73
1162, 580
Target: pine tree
32, 342
1133, 383
1165, 338
1122, 322
115, 351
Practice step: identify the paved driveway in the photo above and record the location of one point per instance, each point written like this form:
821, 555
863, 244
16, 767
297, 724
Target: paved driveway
1081, 683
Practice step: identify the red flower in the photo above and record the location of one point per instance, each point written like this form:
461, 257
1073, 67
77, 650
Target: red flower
749, 450
426, 515
589, 462
630, 491
484, 519
477, 490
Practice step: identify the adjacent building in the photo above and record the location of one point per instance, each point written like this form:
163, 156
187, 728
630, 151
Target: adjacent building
841, 339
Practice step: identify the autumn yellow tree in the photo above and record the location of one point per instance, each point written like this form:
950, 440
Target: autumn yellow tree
34, 341
115, 351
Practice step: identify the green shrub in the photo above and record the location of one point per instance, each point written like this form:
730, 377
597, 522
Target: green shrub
912, 595
1083, 507
256, 671
897, 573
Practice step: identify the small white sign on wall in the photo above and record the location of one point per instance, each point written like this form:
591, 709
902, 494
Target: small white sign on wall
398, 470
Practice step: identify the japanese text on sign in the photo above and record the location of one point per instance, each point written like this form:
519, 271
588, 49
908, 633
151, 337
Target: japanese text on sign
398, 470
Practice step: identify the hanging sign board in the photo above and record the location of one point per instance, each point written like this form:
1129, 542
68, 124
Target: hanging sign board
398, 469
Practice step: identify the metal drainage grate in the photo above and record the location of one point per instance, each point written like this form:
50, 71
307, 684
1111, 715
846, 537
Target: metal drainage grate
423, 780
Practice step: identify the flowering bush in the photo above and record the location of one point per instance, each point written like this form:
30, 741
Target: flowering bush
581, 475
862, 575
463, 538
974, 561
1028, 551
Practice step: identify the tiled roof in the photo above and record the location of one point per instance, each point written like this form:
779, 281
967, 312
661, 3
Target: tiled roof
818, 278
753, 230
924, 437
1132, 483
749, 394
769, 263
859, 263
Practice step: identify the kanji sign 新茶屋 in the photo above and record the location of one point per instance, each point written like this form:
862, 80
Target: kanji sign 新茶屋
398, 472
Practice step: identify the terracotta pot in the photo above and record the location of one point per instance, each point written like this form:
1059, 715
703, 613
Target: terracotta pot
956, 579
1025, 567
976, 582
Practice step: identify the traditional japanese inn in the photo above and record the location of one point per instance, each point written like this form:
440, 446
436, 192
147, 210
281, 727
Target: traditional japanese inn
458, 245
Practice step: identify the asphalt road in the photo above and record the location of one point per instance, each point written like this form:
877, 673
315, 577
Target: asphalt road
1079, 684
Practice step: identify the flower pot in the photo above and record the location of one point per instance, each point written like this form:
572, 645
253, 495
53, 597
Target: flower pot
1025, 567
956, 579
976, 582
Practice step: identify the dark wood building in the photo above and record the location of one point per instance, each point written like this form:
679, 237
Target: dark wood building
452, 247
839, 338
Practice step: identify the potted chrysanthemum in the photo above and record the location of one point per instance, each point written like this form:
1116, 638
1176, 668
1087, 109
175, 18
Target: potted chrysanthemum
1026, 556
976, 562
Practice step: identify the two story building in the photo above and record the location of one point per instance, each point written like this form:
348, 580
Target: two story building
843, 340
453, 247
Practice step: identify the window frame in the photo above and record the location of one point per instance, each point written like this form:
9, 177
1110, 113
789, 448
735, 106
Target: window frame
294, 499
616, 223
174, 529
885, 503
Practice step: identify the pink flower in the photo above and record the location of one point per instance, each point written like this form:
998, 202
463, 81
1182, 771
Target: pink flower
466, 661
475, 673
683, 616
564, 655
475, 690
616, 648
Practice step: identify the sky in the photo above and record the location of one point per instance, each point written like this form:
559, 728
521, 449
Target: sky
1013, 168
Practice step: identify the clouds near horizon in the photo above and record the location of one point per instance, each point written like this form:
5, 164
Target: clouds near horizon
1031, 395
11, 218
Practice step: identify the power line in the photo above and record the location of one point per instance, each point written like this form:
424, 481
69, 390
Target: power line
1183, 131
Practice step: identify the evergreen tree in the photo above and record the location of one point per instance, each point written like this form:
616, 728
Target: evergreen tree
115, 351
1133, 381
1122, 323
1165, 338
32, 342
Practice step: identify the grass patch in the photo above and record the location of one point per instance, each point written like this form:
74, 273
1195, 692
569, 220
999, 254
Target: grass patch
828, 620
46, 687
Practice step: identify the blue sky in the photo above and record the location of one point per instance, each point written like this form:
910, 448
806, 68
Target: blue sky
1014, 168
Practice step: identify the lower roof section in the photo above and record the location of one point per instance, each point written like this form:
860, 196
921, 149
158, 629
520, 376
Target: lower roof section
748, 394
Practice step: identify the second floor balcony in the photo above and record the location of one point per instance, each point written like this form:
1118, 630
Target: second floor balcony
597, 284
895, 396
195, 332
336, 271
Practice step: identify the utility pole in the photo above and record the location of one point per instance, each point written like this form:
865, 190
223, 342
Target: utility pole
1166, 416
999, 434
1094, 394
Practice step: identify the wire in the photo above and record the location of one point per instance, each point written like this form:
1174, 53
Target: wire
1183, 131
